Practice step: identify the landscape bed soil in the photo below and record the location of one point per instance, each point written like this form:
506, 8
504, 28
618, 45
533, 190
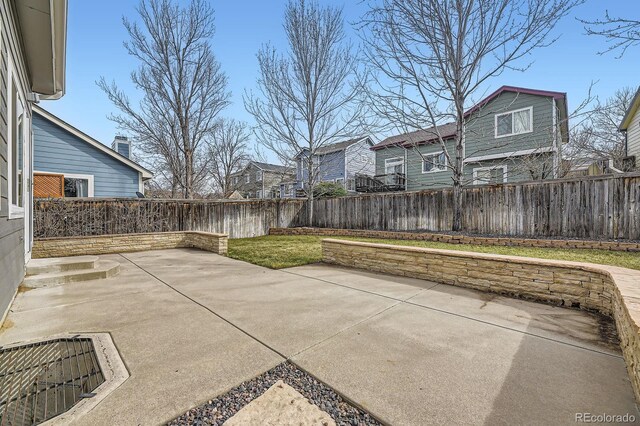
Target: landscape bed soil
223, 407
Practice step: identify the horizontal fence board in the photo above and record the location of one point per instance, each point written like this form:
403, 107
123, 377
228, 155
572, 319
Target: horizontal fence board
603, 207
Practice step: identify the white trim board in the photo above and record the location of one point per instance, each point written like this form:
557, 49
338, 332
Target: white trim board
480, 169
146, 174
89, 178
512, 112
508, 154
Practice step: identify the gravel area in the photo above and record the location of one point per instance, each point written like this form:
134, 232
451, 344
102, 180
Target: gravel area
218, 410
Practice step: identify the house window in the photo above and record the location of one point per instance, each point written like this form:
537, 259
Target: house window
432, 163
235, 180
394, 165
258, 194
514, 122
78, 186
351, 184
340, 181
18, 131
247, 178
258, 175
392, 168
490, 175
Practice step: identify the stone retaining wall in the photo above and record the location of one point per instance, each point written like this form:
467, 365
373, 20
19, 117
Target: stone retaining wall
460, 239
123, 243
609, 290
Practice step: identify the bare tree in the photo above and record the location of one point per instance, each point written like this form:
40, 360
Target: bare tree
435, 55
181, 84
228, 152
306, 98
619, 33
598, 136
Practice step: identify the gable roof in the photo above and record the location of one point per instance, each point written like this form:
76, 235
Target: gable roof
277, 168
146, 174
430, 135
266, 167
513, 89
340, 146
631, 112
448, 130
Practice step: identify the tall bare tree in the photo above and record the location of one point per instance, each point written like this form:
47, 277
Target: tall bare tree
228, 152
597, 136
181, 85
619, 33
435, 55
307, 98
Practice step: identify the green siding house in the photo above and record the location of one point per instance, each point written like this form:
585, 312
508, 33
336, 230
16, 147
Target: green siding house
513, 135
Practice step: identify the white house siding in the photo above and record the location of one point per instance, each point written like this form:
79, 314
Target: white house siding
633, 138
359, 159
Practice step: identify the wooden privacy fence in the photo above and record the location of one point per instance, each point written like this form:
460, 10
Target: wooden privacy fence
604, 207
238, 219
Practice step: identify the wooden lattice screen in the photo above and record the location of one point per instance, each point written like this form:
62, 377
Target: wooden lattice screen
48, 185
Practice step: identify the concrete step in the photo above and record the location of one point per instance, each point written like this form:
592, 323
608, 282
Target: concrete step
60, 264
101, 269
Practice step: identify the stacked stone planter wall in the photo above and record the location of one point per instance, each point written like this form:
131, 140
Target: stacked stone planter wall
461, 239
108, 244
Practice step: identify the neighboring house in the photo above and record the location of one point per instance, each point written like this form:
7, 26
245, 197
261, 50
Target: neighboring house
339, 162
631, 127
32, 66
261, 180
513, 135
70, 163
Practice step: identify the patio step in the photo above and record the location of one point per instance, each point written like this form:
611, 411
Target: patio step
101, 269
60, 264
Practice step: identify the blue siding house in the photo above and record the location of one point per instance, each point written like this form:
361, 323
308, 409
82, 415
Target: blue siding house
339, 162
85, 167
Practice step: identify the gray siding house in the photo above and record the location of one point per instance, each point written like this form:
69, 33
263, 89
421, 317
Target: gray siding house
631, 127
513, 135
32, 66
260, 180
86, 167
339, 162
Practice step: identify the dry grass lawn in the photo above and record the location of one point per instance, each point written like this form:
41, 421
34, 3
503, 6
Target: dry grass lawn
287, 251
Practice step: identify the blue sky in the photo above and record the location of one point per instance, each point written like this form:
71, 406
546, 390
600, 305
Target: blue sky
96, 34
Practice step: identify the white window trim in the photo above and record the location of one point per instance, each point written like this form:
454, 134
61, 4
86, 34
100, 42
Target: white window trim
530, 109
393, 161
15, 211
481, 169
508, 154
259, 176
89, 178
247, 179
433, 154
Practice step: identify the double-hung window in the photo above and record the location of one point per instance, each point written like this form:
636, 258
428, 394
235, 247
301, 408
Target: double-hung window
247, 179
18, 133
514, 122
258, 175
432, 163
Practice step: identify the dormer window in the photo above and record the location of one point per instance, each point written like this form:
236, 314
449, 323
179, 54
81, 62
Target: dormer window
514, 122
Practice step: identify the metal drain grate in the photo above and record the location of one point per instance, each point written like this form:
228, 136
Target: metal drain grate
41, 380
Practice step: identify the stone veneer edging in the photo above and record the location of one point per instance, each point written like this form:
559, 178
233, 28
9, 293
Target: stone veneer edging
124, 243
461, 239
610, 290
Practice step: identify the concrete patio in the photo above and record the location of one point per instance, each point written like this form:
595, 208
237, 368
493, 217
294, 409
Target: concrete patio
190, 325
